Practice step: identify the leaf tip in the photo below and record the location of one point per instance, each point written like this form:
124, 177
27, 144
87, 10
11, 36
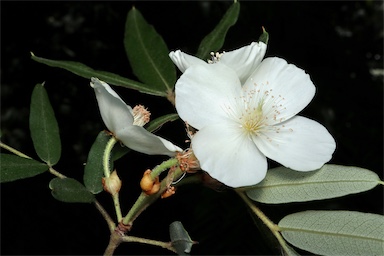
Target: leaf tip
264, 37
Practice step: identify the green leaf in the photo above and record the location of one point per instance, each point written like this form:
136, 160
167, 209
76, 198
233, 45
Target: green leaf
94, 171
70, 191
283, 185
15, 167
158, 122
44, 128
215, 40
108, 77
180, 238
148, 54
264, 37
335, 232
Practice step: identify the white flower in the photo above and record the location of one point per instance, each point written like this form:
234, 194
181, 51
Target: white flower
241, 123
127, 123
243, 60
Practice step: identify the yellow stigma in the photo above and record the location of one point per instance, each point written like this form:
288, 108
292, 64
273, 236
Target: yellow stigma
252, 119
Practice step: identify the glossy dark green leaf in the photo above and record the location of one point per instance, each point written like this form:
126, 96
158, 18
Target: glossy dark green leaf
108, 77
180, 238
44, 128
15, 167
69, 190
215, 40
94, 171
148, 54
158, 122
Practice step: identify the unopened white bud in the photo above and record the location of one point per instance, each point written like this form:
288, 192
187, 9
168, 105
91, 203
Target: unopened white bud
112, 184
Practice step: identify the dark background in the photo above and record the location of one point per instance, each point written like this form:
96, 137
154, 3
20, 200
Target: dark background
337, 43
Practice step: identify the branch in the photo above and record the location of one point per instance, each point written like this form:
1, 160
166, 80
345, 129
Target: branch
165, 245
272, 226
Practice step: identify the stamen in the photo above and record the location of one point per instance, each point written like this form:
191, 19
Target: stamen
259, 107
215, 57
141, 115
188, 161
252, 117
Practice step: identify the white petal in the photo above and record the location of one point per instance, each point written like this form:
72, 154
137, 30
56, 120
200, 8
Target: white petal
114, 112
205, 92
140, 140
244, 60
299, 143
284, 88
229, 156
184, 60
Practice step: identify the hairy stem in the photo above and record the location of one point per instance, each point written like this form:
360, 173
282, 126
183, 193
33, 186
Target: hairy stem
107, 155
116, 203
107, 172
144, 200
163, 166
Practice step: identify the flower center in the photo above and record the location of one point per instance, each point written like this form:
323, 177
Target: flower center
252, 119
260, 107
141, 115
258, 111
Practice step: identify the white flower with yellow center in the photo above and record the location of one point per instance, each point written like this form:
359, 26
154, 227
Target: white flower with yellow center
127, 124
244, 117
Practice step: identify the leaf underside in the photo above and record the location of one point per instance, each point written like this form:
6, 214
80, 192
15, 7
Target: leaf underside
335, 232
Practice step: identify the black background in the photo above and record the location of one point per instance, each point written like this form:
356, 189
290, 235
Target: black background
337, 43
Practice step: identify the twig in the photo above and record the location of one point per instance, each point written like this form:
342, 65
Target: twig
272, 226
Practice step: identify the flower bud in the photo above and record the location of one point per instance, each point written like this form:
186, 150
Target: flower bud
112, 184
155, 188
167, 193
148, 184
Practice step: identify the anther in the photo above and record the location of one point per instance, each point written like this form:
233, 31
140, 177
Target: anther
141, 115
